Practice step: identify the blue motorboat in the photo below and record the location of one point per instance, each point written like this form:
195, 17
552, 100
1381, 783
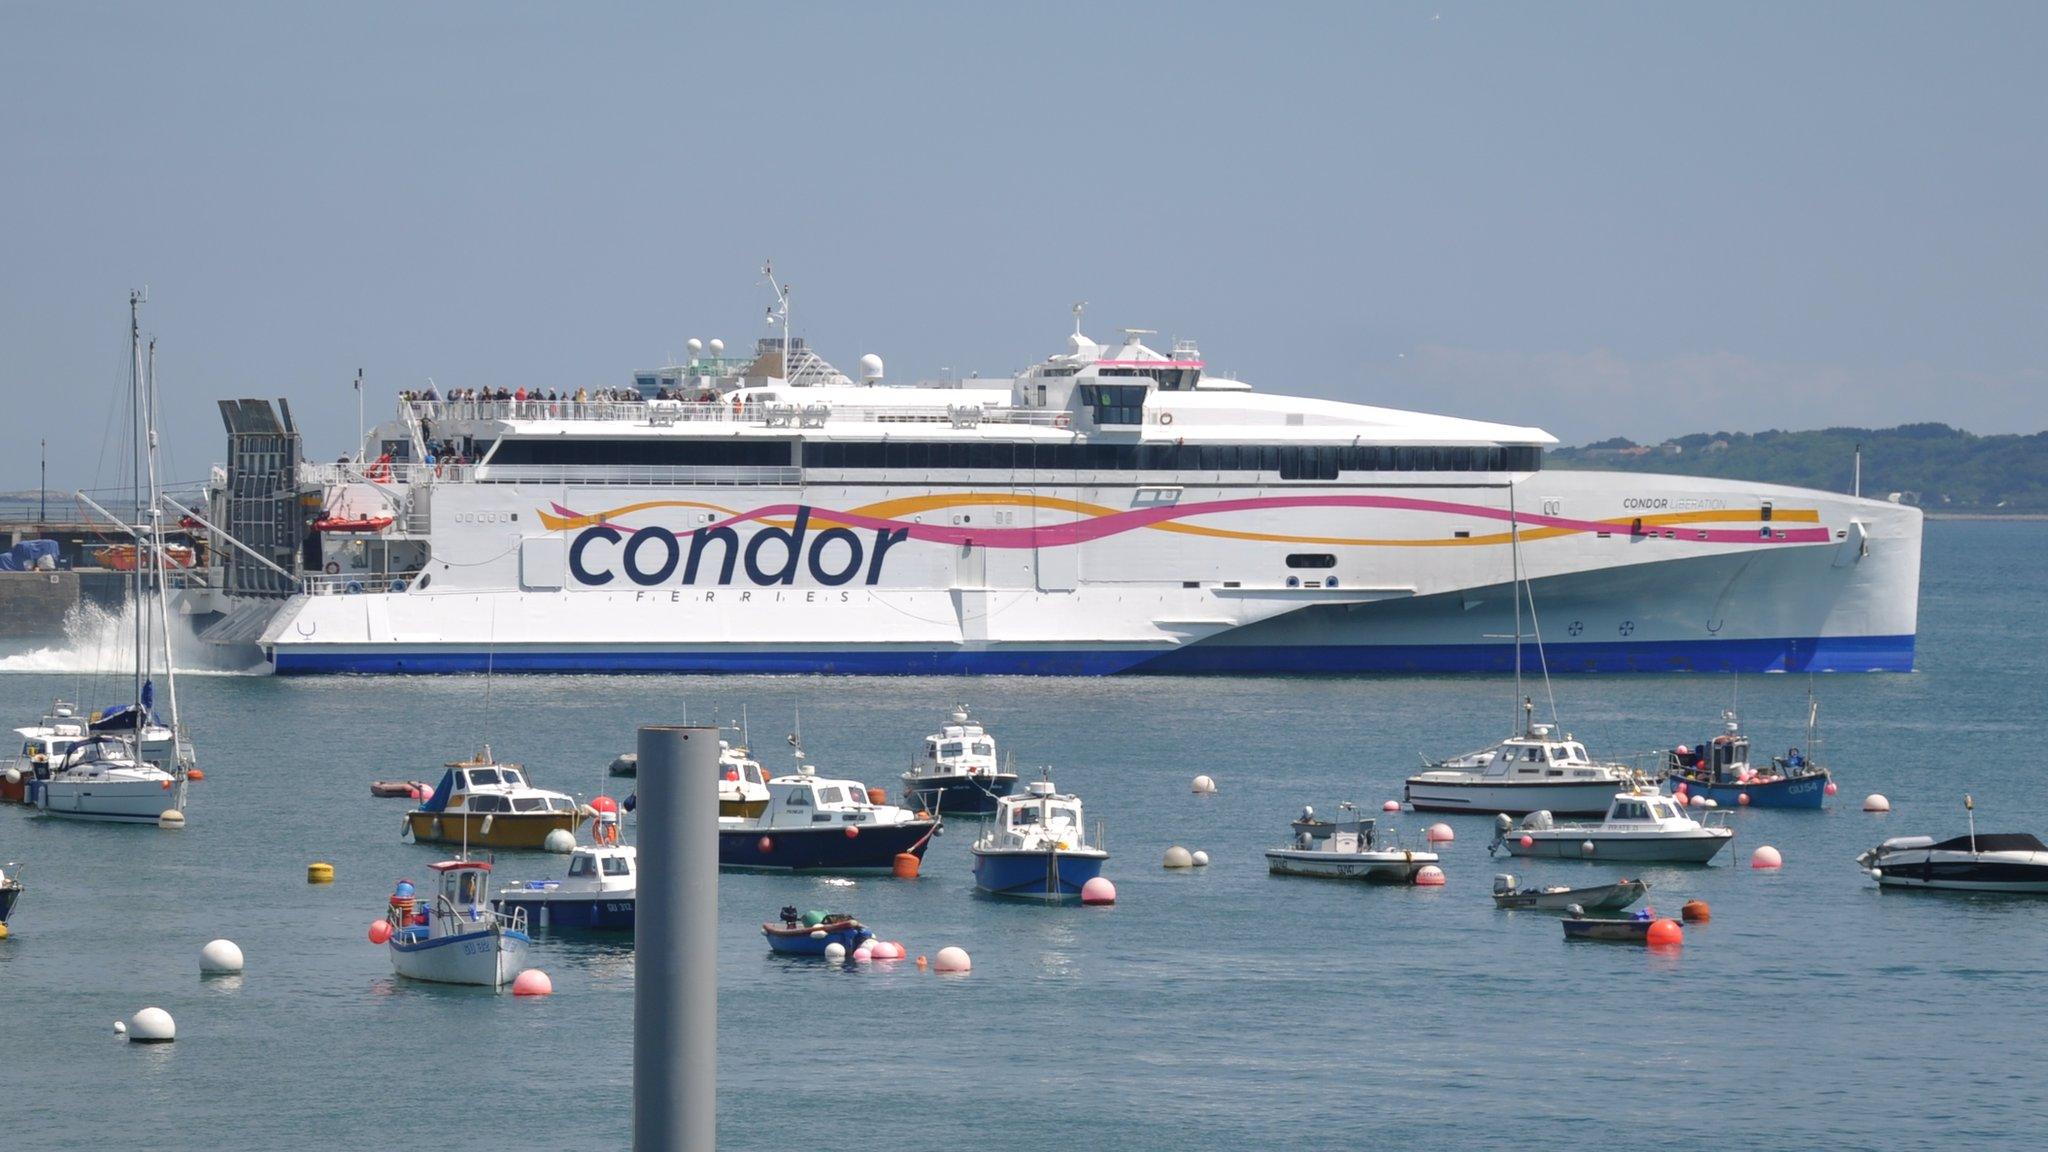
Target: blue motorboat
810, 933
959, 775
597, 894
1720, 770
1036, 848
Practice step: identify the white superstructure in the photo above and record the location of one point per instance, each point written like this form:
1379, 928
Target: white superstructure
1111, 509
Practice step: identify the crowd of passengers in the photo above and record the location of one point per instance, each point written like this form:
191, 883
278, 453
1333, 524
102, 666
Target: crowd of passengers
541, 402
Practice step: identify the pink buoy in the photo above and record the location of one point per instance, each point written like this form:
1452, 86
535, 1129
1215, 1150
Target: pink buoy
1528, 841
380, 931
1441, 834
765, 845
952, 959
1391, 806
1766, 857
1875, 802
532, 982
1742, 798
1831, 789
1430, 876
1098, 890
1679, 789
864, 954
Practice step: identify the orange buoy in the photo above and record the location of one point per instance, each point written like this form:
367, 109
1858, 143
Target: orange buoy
878, 796
380, 931
195, 774
1696, 911
1666, 934
907, 865
165, 785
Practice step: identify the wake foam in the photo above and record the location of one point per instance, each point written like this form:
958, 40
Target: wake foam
99, 642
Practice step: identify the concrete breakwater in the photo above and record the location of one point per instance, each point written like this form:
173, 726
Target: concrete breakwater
34, 605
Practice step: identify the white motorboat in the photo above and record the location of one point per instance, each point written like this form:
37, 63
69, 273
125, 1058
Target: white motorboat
958, 775
1037, 847
1639, 827
47, 739
597, 893
458, 938
1535, 771
813, 823
1347, 848
2014, 862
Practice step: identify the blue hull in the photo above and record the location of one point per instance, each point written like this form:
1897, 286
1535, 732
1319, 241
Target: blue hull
607, 914
958, 795
1801, 792
822, 849
1035, 875
1777, 654
806, 945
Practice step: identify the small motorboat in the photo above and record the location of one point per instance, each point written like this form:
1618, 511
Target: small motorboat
809, 933
41, 742
355, 524
958, 775
1561, 898
625, 764
1634, 929
814, 824
1720, 769
2015, 862
1037, 847
1535, 770
1349, 850
458, 939
742, 784
486, 804
10, 890
596, 894
397, 789
1639, 827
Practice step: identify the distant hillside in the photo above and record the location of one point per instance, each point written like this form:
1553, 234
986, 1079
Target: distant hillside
1933, 465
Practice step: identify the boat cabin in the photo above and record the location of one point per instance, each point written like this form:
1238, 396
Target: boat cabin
464, 886
1646, 811
485, 786
1725, 757
1038, 819
736, 767
602, 868
1537, 754
806, 799
43, 747
961, 748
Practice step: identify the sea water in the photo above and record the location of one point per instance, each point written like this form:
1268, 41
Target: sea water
1213, 1008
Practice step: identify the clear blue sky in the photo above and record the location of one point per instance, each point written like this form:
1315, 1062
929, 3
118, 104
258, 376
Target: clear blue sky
1615, 219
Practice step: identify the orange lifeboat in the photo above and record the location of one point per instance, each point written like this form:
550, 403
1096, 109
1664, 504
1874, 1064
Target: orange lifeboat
121, 557
352, 524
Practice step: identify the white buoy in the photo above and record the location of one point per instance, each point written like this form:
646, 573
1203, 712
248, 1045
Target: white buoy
152, 1026
1200, 858
1179, 857
120, 1027
952, 959
1766, 857
1699, 800
14, 775
561, 842
170, 818
835, 951
219, 958
1204, 786
1875, 802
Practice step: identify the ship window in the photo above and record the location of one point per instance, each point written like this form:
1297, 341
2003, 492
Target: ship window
616, 866
527, 804
1311, 560
951, 748
727, 452
513, 778
798, 798
581, 866
482, 776
984, 748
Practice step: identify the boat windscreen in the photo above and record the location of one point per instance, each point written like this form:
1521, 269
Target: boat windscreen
1994, 842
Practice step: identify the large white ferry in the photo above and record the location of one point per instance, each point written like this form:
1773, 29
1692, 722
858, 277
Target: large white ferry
1112, 509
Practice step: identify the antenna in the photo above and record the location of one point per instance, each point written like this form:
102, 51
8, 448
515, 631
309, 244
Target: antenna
1970, 806
780, 312
1080, 306
1857, 483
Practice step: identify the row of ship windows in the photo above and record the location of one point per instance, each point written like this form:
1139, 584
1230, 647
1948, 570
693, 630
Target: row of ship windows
1291, 461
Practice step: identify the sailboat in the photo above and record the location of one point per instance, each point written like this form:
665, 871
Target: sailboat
1536, 768
134, 765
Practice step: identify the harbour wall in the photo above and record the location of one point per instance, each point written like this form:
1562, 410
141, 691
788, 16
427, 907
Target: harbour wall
33, 605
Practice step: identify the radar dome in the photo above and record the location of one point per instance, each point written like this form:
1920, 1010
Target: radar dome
695, 345
717, 347
871, 367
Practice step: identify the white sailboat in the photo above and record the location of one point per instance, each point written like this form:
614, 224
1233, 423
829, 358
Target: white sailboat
135, 766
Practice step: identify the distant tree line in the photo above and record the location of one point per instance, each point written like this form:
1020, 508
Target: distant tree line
1933, 465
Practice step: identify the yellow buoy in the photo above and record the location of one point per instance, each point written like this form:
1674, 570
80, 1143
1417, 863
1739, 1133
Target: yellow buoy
319, 872
3, 931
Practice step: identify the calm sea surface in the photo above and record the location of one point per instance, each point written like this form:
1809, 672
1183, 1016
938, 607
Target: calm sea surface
1214, 1008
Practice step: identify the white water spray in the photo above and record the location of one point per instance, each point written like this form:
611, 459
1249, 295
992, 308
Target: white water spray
96, 643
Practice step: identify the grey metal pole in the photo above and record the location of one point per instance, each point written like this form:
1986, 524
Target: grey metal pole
675, 977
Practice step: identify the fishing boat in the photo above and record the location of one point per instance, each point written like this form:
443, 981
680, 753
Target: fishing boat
1638, 828
810, 933
814, 824
10, 890
2015, 862
1535, 770
491, 805
1720, 769
458, 939
1037, 847
1350, 848
597, 893
958, 774
1634, 929
1562, 898
134, 765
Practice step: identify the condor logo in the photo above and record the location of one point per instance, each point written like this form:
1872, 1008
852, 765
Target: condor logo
650, 556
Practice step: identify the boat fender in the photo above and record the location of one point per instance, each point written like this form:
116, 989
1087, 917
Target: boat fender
353, 587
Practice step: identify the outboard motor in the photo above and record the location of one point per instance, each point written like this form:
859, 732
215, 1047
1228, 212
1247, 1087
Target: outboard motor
1539, 821
1503, 883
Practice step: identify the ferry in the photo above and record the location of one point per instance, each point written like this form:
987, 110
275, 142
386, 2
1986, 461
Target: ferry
1112, 509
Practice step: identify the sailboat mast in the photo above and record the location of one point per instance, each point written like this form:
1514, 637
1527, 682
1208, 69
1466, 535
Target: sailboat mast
1515, 590
137, 600
159, 563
